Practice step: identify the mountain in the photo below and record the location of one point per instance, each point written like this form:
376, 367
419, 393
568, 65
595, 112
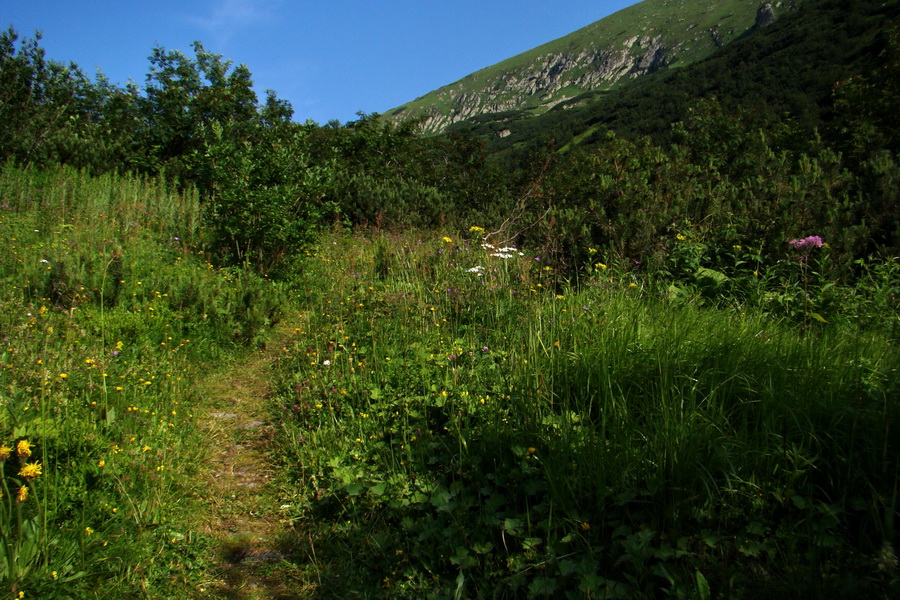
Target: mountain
642, 39
783, 75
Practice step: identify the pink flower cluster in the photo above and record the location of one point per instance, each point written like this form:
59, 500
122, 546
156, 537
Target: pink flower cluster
812, 241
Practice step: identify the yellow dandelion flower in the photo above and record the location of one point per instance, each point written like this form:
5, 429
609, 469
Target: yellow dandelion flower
585, 526
447, 239
23, 449
89, 530
101, 464
22, 494
62, 375
4, 452
30, 470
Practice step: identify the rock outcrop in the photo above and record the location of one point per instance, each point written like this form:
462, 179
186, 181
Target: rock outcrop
598, 57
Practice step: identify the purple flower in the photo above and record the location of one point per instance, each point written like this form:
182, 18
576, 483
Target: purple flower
812, 241
452, 357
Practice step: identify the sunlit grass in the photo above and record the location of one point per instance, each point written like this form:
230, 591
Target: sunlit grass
108, 314
455, 419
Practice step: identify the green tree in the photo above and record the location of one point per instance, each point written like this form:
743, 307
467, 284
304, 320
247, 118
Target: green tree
266, 199
46, 107
183, 97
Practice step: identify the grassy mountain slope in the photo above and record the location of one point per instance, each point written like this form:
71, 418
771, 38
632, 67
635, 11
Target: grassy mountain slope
789, 69
617, 49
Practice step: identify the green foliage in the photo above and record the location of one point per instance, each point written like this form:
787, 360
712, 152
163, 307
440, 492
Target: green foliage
267, 199
453, 431
50, 110
109, 315
183, 98
830, 42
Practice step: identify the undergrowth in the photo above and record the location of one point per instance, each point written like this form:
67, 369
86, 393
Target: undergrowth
459, 422
108, 315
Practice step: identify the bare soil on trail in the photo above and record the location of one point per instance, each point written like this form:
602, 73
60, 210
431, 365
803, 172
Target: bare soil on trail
245, 516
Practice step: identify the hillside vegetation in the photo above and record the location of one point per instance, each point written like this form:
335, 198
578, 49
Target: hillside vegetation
785, 73
633, 366
610, 53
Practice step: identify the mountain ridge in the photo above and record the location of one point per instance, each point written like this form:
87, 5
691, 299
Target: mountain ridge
619, 48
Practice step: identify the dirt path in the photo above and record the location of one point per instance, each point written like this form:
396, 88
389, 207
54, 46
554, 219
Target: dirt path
245, 511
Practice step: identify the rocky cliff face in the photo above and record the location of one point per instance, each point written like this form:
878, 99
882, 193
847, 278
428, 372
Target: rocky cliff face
662, 36
545, 80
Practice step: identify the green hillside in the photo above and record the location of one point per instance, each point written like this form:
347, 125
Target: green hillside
616, 50
786, 71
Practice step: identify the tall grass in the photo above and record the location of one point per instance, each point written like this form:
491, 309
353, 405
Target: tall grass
493, 432
109, 314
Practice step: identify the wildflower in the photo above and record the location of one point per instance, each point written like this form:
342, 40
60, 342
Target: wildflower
585, 526
63, 375
101, 464
812, 241
447, 240
23, 449
89, 530
30, 470
22, 494
4, 452
886, 558
326, 362
476, 229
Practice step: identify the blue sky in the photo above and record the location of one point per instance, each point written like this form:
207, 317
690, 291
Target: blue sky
329, 58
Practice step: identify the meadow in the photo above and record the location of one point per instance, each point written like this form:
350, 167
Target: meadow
460, 422
108, 317
454, 418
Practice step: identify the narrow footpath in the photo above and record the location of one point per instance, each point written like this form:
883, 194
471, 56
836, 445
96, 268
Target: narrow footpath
245, 514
